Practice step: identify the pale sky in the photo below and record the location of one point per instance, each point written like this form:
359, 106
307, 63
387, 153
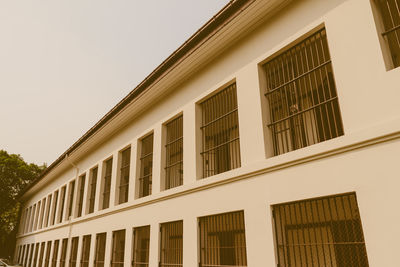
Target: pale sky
64, 64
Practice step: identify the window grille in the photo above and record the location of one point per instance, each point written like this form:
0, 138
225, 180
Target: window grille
171, 252
107, 184
118, 249
124, 176
174, 153
100, 250
47, 258
31, 255
35, 227
62, 201
93, 183
74, 252
32, 218
81, 192
141, 241
85, 250
302, 98
35, 259
390, 14
41, 254
323, 231
48, 211
42, 213
71, 198
63, 252
53, 218
222, 240
21, 254
146, 166
55, 253
220, 130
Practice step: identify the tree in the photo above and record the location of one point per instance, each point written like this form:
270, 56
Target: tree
15, 175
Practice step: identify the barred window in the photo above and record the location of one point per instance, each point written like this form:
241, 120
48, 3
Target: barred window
47, 257
71, 198
118, 249
100, 250
92, 190
390, 15
31, 255
46, 220
141, 241
63, 252
42, 213
54, 210
28, 256
32, 218
55, 253
222, 240
106, 184
85, 250
74, 252
35, 227
220, 130
124, 176
174, 153
21, 254
41, 254
171, 251
146, 166
62, 202
323, 231
301, 94
35, 259
81, 191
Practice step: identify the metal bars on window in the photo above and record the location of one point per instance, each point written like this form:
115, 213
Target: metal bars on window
141, 242
107, 184
302, 98
55, 253
35, 259
74, 252
62, 201
174, 153
92, 194
220, 130
80, 195
54, 212
85, 250
171, 250
146, 166
71, 198
222, 240
48, 251
124, 176
100, 250
63, 256
320, 232
118, 249
390, 14
41, 254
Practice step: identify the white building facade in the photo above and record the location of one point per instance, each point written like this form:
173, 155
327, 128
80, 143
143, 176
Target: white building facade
261, 141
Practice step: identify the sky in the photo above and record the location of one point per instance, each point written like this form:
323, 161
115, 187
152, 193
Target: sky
65, 64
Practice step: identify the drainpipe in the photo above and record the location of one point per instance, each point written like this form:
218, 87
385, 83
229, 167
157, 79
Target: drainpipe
76, 179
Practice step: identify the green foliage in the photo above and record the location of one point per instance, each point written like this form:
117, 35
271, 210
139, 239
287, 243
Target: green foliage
15, 175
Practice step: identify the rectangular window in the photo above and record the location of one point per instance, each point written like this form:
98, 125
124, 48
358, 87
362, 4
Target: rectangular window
70, 198
42, 213
53, 219
28, 214
124, 176
222, 240
35, 259
174, 153
21, 255
301, 94
106, 183
171, 242
141, 242
37, 216
146, 166
323, 231
63, 257
62, 203
85, 250
31, 255
92, 190
118, 249
389, 11
100, 250
25, 259
55, 254
80, 195
32, 219
74, 252
220, 131
47, 258
41, 254
47, 219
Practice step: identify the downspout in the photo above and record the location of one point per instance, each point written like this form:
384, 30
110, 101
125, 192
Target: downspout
76, 179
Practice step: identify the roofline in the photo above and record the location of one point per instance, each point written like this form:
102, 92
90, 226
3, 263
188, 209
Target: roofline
226, 13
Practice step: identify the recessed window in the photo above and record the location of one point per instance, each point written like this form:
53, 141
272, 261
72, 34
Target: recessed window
70, 198
123, 187
41, 254
55, 253
54, 210
81, 192
32, 247
92, 189
222, 240
74, 252
220, 132
85, 250
141, 242
106, 184
100, 250
42, 213
118, 249
35, 259
62, 203
174, 153
63, 257
48, 251
171, 244
32, 218
320, 232
35, 227
146, 166
47, 219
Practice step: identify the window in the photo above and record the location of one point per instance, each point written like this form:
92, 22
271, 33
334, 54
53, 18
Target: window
42, 213
107, 170
70, 198
74, 252
31, 255
80, 196
47, 258
124, 176
323, 231
220, 131
21, 254
35, 259
62, 203
100, 250
32, 219
41, 254
118, 249
92, 190
146, 166
35, 227
174, 153
301, 94
85, 250
55, 253
141, 242
63, 252
53, 219
389, 13
171, 251
222, 240
26, 227
46, 220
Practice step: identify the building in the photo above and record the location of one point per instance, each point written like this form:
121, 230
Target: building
269, 138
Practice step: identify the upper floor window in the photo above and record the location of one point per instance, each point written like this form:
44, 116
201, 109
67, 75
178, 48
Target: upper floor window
174, 153
70, 198
74, 252
92, 188
106, 184
62, 203
63, 255
53, 213
48, 250
42, 213
55, 253
123, 187
220, 132
301, 93
146, 166
81, 192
